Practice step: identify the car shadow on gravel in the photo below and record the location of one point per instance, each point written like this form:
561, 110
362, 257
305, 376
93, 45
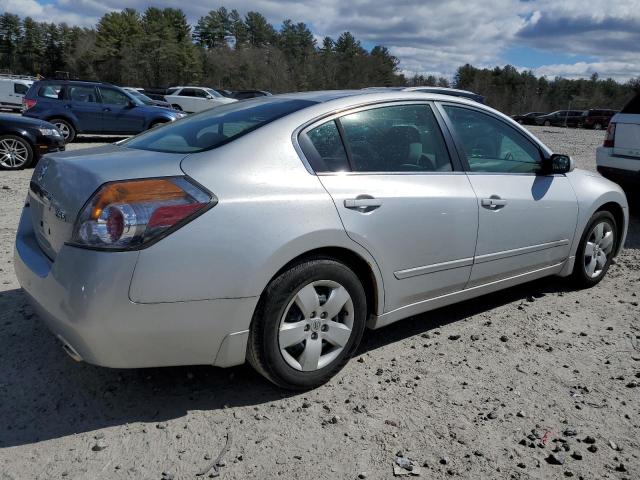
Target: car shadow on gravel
44, 394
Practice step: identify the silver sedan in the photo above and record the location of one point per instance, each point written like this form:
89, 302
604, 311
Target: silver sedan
275, 230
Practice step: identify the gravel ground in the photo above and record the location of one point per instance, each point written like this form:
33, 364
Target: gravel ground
537, 381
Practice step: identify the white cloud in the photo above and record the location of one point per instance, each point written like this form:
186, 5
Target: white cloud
428, 36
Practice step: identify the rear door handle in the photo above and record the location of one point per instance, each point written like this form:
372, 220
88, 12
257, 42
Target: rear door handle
494, 202
362, 203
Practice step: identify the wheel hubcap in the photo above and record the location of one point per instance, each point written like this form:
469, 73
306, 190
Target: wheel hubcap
316, 325
598, 249
64, 129
13, 153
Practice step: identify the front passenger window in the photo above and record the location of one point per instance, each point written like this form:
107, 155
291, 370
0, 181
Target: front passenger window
491, 145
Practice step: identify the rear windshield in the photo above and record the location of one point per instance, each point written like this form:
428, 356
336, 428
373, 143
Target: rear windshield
215, 127
633, 106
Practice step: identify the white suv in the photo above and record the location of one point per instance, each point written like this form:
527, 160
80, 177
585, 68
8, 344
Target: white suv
195, 99
618, 158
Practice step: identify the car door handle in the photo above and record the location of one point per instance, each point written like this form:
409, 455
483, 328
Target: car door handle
362, 203
493, 203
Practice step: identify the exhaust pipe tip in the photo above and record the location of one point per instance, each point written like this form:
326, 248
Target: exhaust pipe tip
66, 346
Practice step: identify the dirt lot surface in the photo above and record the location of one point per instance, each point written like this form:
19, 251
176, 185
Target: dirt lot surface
539, 381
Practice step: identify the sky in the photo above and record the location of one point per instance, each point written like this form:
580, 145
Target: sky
568, 38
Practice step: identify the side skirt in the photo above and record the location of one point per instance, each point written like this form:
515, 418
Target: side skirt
378, 321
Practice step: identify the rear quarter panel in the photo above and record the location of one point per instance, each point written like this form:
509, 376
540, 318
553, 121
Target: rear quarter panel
270, 210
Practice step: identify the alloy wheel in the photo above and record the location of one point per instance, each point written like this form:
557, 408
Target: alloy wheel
13, 153
64, 129
316, 325
598, 248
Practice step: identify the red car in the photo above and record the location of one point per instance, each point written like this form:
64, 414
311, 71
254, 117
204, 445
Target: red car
597, 119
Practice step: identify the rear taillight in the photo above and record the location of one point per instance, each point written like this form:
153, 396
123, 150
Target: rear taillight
132, 214
28, 103
609, 138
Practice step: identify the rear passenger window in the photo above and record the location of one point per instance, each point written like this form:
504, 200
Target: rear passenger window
404, 138
326, 152
51, 91
82, 94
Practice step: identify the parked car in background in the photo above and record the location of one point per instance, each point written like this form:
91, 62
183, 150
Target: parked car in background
528, 118
137, 92
619, 156
13, 89
195, 99
596, 118
244, 94
75, 106
24, 140
560, 118
275, 229
224, 93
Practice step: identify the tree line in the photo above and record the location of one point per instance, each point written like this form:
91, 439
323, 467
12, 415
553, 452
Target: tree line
159, 48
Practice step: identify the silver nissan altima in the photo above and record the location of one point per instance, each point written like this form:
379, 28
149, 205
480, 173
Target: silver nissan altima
275, 230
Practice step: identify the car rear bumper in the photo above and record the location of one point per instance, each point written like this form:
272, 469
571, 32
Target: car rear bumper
83, 298
623, 170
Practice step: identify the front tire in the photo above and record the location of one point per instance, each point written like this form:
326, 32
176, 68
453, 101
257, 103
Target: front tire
308, 323
596, 250
15, 153
66, 129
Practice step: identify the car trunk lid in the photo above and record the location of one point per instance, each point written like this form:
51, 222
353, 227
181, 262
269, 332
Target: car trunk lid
627, 139
62, 183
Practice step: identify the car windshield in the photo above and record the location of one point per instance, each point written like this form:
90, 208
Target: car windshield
213, 93
141, 96
215, 127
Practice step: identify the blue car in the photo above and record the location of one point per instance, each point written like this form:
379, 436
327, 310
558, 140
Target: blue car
75, 107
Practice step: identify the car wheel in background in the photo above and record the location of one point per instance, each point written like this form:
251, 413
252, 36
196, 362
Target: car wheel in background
547, 123
598, 126
15, 152
66, 129
596, 250
308, 323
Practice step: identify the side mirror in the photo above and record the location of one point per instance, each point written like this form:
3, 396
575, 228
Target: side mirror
558, 163
131, 104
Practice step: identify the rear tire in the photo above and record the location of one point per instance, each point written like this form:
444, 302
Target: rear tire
16, 153
547, 123
598, 126
65, 127
596, 250
295, 340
